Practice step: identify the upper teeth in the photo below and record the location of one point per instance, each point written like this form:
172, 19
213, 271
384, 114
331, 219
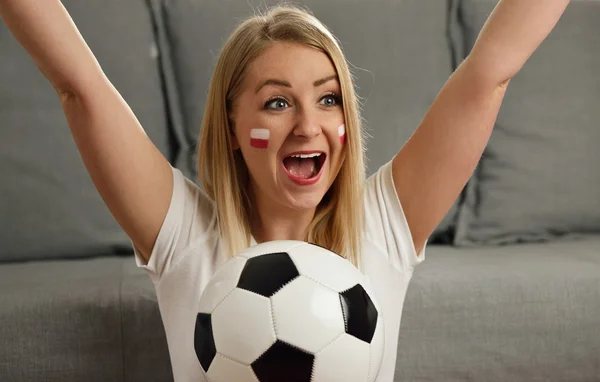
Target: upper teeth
306, 155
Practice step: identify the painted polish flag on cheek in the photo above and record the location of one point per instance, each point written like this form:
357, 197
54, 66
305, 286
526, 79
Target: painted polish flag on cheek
342, 133
259, 138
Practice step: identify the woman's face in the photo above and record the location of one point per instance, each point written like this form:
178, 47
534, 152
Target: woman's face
289, 125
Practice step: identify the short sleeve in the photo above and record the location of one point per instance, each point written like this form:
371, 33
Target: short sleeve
385, 223
191, 216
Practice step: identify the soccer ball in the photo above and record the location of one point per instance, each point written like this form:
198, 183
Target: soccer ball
288, 311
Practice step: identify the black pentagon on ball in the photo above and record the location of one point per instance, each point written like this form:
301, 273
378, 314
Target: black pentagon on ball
204, 342
268, 273
283, 362
360, 314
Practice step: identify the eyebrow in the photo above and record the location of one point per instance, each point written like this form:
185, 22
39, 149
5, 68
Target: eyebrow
277, 82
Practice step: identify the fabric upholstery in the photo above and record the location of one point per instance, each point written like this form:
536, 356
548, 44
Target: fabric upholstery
538, 178
146, 357
49, 205
519, 313
526, 312
80, 320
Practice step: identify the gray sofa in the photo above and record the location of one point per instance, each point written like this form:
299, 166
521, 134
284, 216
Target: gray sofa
510, 290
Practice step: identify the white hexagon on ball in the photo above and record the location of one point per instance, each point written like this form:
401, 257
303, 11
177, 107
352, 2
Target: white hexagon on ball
345, 350
307, 315
376, 350
326, 267
225, 369
268, 247
242, 326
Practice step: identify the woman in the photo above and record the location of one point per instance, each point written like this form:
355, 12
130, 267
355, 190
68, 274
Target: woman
281, 154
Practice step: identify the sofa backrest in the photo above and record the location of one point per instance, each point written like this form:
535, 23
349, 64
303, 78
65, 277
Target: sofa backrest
49, 207
399, 52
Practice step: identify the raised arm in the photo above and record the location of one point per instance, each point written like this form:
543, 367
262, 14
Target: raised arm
434, 165
131, 174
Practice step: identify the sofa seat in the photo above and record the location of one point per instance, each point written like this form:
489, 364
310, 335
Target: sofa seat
527, 312
80, 320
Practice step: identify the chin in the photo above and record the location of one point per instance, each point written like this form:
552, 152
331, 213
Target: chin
306, 204
307, 201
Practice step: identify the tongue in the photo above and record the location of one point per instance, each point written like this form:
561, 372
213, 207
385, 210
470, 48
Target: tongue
300, 167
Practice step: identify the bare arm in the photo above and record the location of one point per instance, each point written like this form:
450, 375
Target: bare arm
132, 176
434, 165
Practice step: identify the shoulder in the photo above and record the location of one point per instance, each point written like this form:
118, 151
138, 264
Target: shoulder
386, 226
191, 221
193, 203
379, 188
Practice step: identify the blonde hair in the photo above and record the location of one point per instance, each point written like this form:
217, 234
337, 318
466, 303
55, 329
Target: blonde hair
338, 221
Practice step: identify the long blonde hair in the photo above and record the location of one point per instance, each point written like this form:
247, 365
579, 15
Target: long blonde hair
338, 221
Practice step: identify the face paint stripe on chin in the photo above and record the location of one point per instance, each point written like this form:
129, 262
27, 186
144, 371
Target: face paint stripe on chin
259, 138
342, 133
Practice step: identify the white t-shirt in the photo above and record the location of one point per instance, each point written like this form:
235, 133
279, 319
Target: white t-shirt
186, 254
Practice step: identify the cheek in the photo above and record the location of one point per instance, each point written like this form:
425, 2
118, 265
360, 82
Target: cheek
259, 138
342, 133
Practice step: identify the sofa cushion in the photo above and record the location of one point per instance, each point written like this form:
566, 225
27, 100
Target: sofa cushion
519, 313
49, 205
145, 349
80, 320
538, 177
398, 50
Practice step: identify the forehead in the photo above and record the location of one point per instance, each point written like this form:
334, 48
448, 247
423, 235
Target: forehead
292, 62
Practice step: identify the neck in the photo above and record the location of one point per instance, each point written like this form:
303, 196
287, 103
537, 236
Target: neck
270, 221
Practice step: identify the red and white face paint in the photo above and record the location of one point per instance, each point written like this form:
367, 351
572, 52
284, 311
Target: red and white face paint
342, 133
259, 138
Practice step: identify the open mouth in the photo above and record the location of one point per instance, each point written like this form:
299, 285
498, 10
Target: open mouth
304, 166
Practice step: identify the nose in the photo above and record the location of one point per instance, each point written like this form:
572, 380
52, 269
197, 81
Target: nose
307, 124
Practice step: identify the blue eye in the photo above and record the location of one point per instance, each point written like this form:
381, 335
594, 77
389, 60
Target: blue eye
276, 104
331, 99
